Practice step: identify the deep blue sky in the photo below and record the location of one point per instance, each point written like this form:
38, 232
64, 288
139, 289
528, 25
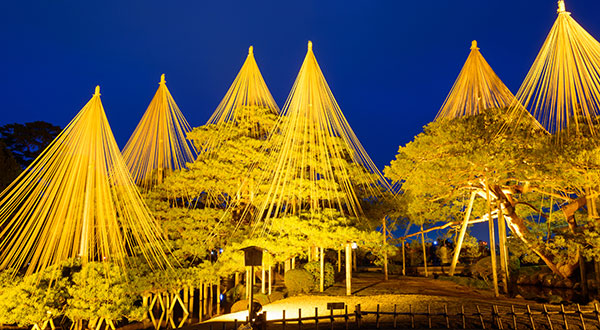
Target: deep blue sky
390, 64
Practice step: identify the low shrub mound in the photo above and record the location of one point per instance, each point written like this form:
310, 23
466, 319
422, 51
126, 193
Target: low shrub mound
298, 281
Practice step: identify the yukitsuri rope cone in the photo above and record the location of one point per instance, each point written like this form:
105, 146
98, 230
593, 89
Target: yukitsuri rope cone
562, 88
248, 93
77, 200
159, 144
477, 88
316, 162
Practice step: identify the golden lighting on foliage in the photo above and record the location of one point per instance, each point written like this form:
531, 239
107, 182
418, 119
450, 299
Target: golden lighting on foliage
477, 88
316, 161
562, 88
248, 90
77, 200
159, 143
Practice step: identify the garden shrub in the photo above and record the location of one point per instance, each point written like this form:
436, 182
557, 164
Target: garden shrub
314, 268
298, 281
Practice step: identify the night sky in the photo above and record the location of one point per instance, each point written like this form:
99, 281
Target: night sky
390, 64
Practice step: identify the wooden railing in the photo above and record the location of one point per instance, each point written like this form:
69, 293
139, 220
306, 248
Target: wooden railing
474, 316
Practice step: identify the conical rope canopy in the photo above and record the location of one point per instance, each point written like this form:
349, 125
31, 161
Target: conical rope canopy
77, 200
248, 94
316, 161
562, 88
477, 88
159, 144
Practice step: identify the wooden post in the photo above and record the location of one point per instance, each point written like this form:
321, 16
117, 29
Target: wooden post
294, 262
250, 311
583, 275
287, 266
492, 241
237, 278
385, 256
247, 282
270, 277
322, 271
186, 298
218, 296
424, 251
192, 296
403, 259
211, 294
461, 236
348, 269
354, 263
262, 279
203, 301
503, 251
339, 260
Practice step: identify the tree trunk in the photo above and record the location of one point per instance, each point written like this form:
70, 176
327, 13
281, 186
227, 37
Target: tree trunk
518, 227
385, 256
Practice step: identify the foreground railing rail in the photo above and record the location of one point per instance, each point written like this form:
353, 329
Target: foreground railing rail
476, 317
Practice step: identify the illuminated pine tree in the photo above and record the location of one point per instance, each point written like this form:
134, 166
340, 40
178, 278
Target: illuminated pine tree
230, 145
159, 145
77, 200
315, 160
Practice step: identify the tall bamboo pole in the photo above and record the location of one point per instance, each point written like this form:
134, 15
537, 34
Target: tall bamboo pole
492, 241
322, 272
385, 256
503, 249
348, 269
424, 251
461, 236
403, 259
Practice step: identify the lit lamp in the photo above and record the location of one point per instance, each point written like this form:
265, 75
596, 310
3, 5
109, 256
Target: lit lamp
252, 257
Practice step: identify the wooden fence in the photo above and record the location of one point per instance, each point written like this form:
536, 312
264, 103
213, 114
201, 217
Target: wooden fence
471, 317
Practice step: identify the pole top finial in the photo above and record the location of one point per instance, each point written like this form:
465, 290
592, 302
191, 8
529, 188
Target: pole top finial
97, 91
561, 6
309, 45
474, 44
162, 79
251, 50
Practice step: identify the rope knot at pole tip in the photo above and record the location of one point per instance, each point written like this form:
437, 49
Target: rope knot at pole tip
309, 46
474, 44
97, 91
162, 79
251, 50
561, 6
